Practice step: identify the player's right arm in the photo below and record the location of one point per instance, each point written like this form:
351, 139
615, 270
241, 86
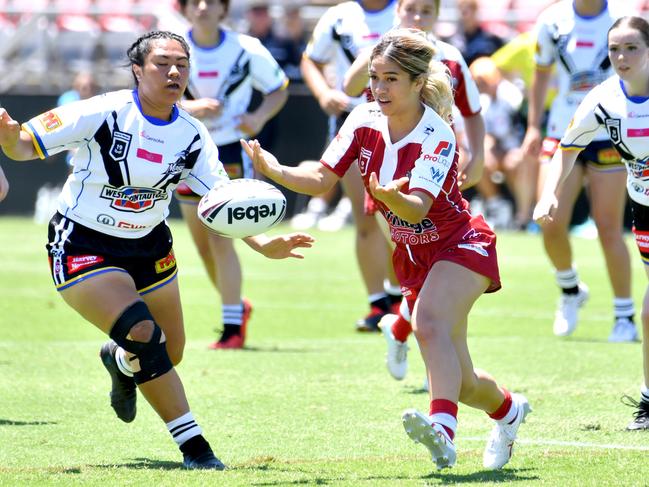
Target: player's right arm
311, 179
536, 103
357, 76
332, 101
16, 143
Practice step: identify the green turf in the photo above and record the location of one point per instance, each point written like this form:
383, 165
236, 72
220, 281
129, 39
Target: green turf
310, 402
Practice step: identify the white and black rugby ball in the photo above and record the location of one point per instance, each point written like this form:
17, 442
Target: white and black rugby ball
241, 207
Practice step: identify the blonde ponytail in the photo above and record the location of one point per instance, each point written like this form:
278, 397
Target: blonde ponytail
437, 92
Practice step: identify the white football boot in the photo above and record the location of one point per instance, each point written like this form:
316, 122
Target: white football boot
432, 436
500, 444
396, 356
623, 331
567, 314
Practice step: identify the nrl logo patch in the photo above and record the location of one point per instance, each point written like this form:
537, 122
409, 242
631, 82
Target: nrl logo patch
119, 148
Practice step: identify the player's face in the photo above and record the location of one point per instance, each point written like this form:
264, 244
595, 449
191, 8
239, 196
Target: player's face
207, 14
393, 90
629, 54
417, 14
163, 77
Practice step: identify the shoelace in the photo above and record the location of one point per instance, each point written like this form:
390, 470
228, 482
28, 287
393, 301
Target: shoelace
641, 407
402, 352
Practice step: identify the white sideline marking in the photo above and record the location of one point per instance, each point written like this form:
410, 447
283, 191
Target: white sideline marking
577, 444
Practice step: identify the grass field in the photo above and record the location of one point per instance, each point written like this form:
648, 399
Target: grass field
309, 402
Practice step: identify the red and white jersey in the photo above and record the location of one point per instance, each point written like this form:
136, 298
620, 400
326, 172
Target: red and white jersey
465, 91
578, 45
127, 165
343, 32
228, 72
626, 121
427, 156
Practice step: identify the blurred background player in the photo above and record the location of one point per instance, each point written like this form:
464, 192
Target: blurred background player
225, 67
572, 34
501, 102
607, 107
338, 38
469, 37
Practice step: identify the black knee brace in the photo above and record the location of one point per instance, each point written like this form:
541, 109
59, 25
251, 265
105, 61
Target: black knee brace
153, 357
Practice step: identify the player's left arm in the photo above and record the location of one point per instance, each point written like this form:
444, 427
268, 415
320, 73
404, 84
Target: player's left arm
411, 207
281, 246
251, 123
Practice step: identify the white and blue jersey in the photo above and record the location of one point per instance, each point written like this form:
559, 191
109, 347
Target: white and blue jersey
626, 121
228, 72
127, 165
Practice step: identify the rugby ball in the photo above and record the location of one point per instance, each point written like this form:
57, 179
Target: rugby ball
241, 207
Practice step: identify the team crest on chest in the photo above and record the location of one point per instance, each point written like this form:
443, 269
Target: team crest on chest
119, 148
364, 160
613, 129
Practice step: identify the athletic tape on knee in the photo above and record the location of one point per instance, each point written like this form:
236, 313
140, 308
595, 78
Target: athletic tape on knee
152, 355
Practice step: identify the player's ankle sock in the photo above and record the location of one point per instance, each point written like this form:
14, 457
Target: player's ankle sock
184, 428
568, 281
123, 363
644, 393
380, 301
401, 329
232, 319
444, 413
507, 411
623, 308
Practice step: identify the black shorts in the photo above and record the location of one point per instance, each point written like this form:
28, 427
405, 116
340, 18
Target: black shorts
235, 162
600, 155
641, 229
76, 253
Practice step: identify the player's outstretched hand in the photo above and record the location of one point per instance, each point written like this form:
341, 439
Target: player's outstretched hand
9, 129
284, 246
388, 193
263, 161
544, 209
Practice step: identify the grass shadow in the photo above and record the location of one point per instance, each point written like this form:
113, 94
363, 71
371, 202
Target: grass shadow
482, 476
11, 422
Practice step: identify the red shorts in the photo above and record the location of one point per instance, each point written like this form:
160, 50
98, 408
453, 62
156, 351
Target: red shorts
472, 246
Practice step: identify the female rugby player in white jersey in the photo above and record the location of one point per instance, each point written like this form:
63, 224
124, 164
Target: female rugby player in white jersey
226, 66
404, 149
109, 248
620, 106
571, 34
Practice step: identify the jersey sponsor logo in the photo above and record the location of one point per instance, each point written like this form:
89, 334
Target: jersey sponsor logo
50, 121
637, 132
146, 136
436, 158
130, 226
639, 169
608, 156
208, 74
79, 262
444, 148
478, 248
106, 220
148, 156
637, 115
364, 160
437, 174
120, 145
640, 189
165, 264
581, 43
585, 80
642, 240
429, 129
407, 233
132, 199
